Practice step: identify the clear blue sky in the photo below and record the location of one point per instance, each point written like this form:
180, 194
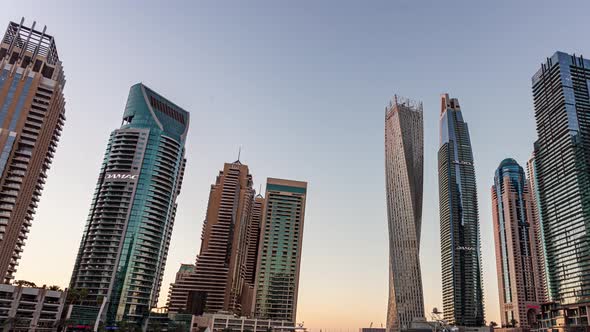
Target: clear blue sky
302, 87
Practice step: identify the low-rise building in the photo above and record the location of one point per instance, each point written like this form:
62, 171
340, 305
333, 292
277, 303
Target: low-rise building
81, 317
225, 322
372, 329
563, 318
30, 308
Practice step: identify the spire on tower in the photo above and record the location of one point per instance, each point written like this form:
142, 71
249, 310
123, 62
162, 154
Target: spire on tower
239, 154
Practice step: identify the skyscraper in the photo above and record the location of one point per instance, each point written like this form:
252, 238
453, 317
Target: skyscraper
220, 271
543, 290
252, 245
459, 220
279, 258
519, 275
404, 146
126, 239
32, 114
561, 94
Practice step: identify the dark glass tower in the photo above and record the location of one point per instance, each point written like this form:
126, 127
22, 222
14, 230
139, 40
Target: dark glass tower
126, 239
459, 220
561, 93
32, 114
404, 146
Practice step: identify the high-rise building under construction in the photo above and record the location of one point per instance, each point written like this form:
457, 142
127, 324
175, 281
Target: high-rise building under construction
404, 160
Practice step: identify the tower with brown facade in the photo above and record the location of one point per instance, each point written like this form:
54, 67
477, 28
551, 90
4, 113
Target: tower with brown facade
220, 272
32, 114
515, 234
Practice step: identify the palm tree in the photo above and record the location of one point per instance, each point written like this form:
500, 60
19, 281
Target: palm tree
54, 288
25, 283
77, 295
513, 322
83, 294
73, 296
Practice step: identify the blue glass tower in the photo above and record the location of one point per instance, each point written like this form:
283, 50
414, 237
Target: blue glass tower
126, 239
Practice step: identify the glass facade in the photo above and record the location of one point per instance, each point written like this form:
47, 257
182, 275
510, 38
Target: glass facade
277, 281
459, 221
562, 165
126, 239
543, 285
404, 146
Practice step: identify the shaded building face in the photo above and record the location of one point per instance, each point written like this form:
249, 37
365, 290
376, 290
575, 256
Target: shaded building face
126, 238
251, 261
32, 114
542, 285
519, 274
404, 145
561, 94
277, 281
220, 276
459, 220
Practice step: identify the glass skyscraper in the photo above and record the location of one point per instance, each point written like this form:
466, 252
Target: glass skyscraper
404, 146
126, 238
517, 259
279, 258
32, 114
540, 241
561, 94
459, 220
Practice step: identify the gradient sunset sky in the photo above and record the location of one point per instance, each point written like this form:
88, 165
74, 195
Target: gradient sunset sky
302, 87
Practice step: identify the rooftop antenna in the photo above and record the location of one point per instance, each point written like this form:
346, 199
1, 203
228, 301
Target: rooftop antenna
239, 154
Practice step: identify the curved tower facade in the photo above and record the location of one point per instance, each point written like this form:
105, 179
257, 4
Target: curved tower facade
459, 220
404, 146
515, 235
126, 239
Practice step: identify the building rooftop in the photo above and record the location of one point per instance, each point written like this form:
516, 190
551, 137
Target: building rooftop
563, 58
402, 102
31, 40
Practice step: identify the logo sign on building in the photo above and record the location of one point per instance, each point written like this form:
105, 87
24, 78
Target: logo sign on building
120, 177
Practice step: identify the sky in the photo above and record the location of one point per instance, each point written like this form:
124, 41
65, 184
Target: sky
301, 86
